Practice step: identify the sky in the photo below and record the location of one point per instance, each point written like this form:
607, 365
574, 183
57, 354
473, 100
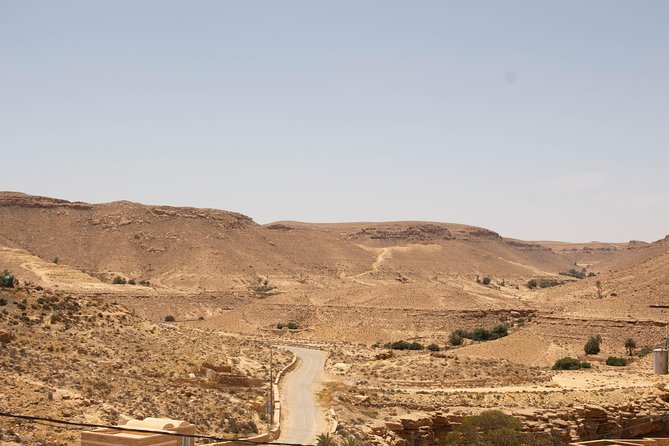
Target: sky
541, 120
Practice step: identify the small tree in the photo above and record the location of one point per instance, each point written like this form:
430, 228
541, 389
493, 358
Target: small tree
433, 347
486, 280
169, 318
592, 347
630, 345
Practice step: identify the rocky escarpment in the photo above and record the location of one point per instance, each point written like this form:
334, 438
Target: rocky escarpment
646, 417
18, 199
413, 233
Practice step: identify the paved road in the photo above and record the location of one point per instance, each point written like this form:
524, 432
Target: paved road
302, 417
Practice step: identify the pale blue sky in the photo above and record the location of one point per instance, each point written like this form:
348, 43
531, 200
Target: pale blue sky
537, 119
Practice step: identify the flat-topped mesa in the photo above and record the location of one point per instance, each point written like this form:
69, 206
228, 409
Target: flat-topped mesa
410, 233
526, 246
395, 232
19, 199
124, 211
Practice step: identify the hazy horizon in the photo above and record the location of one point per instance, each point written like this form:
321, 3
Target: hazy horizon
538, 120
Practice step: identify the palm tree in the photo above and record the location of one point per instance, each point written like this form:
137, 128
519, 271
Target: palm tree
350, 441
325, 440
630, 345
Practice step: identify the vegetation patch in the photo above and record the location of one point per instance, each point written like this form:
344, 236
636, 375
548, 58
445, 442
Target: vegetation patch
289, 325
616, 361
544, 283
118, 280
404, 345
478, 334
491, 427
568, 363
592, 346
7, 280
582, 274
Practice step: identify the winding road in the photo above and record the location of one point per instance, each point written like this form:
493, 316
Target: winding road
302, 418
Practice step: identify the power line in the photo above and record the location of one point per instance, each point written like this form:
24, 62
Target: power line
132, 429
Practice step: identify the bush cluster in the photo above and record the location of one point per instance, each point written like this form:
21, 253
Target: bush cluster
478, 334
289, 325
404, 345
574, 273
490, 427
616, 361
568, 363
543, 283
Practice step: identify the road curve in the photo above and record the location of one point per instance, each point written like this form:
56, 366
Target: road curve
302, 417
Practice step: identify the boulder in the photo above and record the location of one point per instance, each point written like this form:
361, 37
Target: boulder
7, 336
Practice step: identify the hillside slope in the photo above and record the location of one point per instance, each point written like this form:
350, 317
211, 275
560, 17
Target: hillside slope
207, 249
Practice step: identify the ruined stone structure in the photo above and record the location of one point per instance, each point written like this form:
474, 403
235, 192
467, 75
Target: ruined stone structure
158, 432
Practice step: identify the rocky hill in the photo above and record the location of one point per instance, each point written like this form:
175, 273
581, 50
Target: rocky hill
207, 249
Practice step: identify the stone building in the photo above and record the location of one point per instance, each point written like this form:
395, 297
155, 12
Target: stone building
156, 432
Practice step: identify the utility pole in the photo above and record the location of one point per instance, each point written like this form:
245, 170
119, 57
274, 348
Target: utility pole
270, 400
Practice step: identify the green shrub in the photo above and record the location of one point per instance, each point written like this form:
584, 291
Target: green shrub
132, 282
478, 334
325, 440
404, 345
547, 283
456, 338
568, 363
592, 347
616, 361
481, 334
490, 428
532, 284
118, 280
144, 283
500, 330
7, 280
574, 273
645, 350
433, 347
486, 280
279, 325
169, 318
292, 325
